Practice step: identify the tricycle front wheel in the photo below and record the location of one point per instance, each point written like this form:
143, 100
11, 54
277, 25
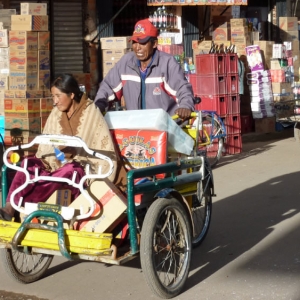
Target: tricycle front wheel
165, 248
25, 267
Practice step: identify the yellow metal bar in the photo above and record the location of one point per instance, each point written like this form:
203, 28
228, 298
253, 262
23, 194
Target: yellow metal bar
89, 243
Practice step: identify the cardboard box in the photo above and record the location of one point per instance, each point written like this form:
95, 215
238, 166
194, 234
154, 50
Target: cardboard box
44, 40
23, 61
46, 105
115, 42
3, 82
23, 108
289, 35
23, 81
239, 31
3, 38
221, 34
38, 9
43, 80
281, 88
238, 22
60, 197
43, 60
107, 65
288, 23
23, 40
265, 125
21, 94
113, 54
110, 206
201, 45
29, 22
32, 125
240, 40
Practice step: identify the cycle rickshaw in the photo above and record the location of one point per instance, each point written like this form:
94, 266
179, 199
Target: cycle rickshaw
172, 217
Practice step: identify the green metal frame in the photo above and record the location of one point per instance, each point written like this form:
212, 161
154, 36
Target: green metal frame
155, 185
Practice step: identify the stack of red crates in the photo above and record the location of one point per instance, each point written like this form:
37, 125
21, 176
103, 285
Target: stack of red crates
216, 82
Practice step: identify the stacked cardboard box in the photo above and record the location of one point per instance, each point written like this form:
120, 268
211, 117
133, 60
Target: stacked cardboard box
240, 36
26, 98
288, 27
113, 48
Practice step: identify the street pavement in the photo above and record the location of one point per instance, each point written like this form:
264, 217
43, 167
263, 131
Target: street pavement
252, 250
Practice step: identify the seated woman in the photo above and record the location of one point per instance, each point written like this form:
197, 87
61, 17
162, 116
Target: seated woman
75, 115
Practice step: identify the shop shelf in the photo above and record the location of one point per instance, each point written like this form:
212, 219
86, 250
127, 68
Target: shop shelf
232, 83
210, 64
231, 63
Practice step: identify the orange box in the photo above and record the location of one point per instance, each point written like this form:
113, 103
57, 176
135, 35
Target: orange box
141, 148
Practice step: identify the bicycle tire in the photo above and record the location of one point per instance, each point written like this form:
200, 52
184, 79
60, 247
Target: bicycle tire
215, 148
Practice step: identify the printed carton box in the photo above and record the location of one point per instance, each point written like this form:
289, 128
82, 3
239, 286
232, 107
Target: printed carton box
3, 82
43, 60
16, 94
288, 23
29, 22
39, 9
24, 108
43, 80
3, 38
22, 60
254, 58
23, 81
115, 42
28, 125
110, 206
44, 40
23, 40
46, 105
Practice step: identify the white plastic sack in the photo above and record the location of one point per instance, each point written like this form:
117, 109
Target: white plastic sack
153, 119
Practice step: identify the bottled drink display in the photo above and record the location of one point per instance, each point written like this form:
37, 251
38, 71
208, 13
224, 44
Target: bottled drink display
163, 19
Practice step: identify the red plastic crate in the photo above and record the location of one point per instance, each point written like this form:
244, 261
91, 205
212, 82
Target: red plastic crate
246, 124
211, 84
232, 123
233, 104
216, 103
193, 82
233, 144
231, 63
232, 83
210, 64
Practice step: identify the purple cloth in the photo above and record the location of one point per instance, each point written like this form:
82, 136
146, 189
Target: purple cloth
42, 190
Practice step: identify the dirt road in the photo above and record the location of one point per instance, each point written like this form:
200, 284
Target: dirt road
252, 249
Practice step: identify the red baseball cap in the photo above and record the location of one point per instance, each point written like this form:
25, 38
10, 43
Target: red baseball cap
143, 31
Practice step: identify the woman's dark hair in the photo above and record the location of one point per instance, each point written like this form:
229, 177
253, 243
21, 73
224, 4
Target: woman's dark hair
67, 84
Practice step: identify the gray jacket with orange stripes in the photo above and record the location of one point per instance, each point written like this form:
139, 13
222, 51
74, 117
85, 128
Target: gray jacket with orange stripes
166, 86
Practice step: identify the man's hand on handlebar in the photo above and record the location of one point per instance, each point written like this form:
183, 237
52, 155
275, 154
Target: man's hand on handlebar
183, 113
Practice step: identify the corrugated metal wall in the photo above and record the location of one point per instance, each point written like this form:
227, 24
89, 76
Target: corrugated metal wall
67, 44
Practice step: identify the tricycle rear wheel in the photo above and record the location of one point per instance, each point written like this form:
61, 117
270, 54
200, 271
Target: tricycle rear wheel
165, 249
25, 267
201, 212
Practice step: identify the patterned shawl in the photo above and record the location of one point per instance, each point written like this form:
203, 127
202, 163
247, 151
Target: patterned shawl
87, 123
